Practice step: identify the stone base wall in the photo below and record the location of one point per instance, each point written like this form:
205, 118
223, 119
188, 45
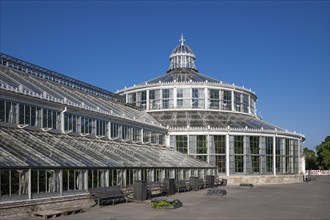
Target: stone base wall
264, 179
28, 206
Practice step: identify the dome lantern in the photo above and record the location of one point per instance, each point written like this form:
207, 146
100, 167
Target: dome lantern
182, 56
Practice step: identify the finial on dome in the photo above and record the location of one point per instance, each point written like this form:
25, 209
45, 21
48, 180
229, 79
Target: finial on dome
182, 40
182, 56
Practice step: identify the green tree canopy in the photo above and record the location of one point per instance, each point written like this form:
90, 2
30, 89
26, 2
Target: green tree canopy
323, 154
310, 159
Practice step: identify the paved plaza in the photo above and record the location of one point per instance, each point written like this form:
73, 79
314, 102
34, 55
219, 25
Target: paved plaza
306, 200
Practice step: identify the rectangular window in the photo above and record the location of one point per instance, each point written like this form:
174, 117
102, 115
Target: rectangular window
214, 98
197, 96
239, 164
33, 116
136, 134
166, 93
237, 101
85, 125
2, 110
126, 132
252, 106
182, 143
201, 144
101, 127
278, 146
154, 138
154, 99
245, 103
114, 130
146, 136
179, 93
167, 98
226, 100
220, 161
269, 164
21, 114
131, 98
183, 99
49, 118
238, 144
254, 145
141, 99
269, 145
255, 164
220, 144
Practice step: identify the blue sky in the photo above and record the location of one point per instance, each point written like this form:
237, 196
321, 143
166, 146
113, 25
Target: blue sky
279, 49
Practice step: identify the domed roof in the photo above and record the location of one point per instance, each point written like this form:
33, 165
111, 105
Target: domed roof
182, 57
182, 49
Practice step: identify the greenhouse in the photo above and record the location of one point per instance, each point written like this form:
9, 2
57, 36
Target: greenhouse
215, 121
60, 136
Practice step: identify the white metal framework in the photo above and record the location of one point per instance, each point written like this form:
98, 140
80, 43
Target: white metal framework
60, 136
215, 121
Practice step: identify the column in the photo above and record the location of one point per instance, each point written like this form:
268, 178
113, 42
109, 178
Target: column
107, 178
247, 169
282, 153
162, 174
232, 101
262, 154
274, 155
141, 135
123, 179
249, 103
227, 154
174, 97
147, 101
94, 127
206, 98
60, 176
301, 168
108, 134
29, 184
62, 120
86, 180
211, 150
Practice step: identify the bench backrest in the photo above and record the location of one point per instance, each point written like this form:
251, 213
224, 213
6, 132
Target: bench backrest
112, 190
154, 184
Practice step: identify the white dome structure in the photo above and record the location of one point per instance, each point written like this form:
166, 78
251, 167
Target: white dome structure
182, 57
215, 121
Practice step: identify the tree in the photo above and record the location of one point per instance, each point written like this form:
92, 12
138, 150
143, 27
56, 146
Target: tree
310, 159
323, 154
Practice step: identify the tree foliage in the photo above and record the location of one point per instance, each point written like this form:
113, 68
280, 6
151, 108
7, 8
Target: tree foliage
323, 154
310, 159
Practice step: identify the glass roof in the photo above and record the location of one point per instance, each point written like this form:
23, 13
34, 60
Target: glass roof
211, 118
17, 80
183, 75
182, 49
31, 148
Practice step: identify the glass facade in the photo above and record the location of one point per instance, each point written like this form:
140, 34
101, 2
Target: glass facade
248, 155
193, 98
34, 116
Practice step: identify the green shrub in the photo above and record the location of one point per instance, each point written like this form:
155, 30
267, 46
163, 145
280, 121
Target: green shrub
158, 204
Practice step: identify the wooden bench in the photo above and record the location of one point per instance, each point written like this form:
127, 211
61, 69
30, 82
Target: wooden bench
154, 188
112, 193
182, 185
53, 213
